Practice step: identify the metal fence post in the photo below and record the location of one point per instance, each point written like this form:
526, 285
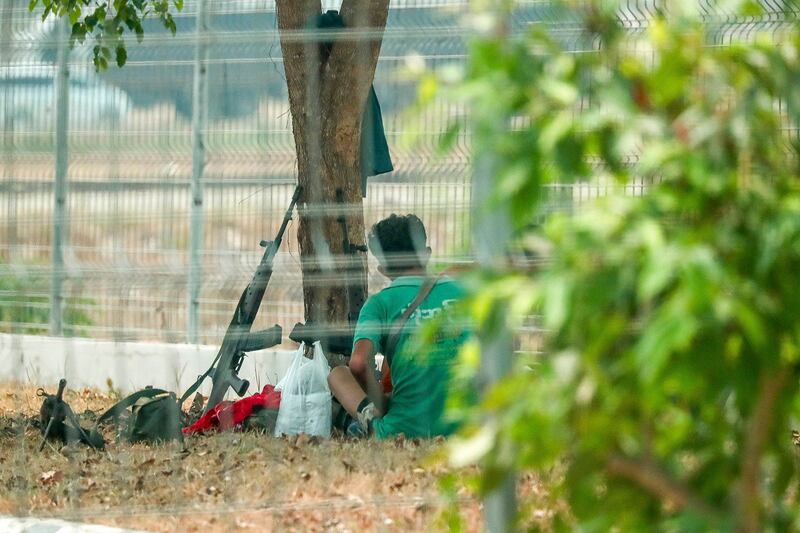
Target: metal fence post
6, 29
199, 121
491, 230
60, 212
492, 233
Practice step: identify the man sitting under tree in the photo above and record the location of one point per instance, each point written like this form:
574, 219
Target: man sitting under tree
419, 374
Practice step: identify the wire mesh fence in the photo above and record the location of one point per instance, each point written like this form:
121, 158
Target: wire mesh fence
128, 150
130, 168
127, 233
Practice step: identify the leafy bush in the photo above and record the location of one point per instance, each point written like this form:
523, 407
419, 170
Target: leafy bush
672, 345
24, 302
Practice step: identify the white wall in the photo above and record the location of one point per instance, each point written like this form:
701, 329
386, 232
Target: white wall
42, 361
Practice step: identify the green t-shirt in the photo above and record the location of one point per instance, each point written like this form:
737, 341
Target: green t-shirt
420, 375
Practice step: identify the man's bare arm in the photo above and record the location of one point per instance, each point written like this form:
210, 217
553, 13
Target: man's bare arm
362, 365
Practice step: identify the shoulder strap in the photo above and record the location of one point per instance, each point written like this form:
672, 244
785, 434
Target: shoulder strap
397, 328
93, 438
198, 382
115, 410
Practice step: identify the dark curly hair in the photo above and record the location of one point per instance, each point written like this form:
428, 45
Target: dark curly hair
399, 243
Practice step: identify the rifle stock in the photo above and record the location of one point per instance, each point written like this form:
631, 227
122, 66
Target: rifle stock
238, 338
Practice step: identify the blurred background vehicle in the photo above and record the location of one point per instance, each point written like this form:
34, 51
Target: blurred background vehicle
28, 99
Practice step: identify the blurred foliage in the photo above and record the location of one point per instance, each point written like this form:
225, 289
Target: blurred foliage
669, 380
25, 308
108, 21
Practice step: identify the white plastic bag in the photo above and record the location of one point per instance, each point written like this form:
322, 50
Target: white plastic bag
305, 396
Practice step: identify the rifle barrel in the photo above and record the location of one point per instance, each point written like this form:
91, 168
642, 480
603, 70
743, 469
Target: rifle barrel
238, 338
287, 217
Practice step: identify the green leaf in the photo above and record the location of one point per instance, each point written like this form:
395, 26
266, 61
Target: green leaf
671, 331
555, 131
556, 301
752, 324
74, 14
78, 33
169, 23
100, 63
467, 451
448, 139
139, 31
122, 55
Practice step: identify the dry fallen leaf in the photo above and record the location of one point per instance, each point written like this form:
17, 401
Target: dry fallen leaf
302, 440
355, 499
398, 483
147, 463
241, 524
51, 476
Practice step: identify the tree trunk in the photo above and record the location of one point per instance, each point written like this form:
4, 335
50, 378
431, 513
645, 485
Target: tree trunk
326, 99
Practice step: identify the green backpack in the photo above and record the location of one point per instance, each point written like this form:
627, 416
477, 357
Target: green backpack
155, 416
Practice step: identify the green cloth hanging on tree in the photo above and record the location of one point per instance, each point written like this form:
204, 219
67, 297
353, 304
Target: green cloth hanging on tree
375, 157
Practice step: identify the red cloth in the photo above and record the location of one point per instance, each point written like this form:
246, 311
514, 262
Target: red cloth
228, 415
386, 378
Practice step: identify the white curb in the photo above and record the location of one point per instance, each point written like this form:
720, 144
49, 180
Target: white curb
130, 366
35, 525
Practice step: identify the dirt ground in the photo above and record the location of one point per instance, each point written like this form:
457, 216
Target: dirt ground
228, 481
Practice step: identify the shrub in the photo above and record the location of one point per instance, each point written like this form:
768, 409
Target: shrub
670, 374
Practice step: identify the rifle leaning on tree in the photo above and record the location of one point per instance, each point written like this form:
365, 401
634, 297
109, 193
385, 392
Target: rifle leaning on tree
239, 340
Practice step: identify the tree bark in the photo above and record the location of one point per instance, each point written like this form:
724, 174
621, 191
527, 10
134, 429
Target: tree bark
326, 100
759, 431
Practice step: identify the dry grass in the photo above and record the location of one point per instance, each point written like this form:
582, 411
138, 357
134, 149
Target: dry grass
234, 481
224, 482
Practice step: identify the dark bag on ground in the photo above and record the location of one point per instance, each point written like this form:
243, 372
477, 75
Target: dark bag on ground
149, 415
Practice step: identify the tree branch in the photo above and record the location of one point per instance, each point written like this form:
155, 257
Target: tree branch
649, 476
759, 428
